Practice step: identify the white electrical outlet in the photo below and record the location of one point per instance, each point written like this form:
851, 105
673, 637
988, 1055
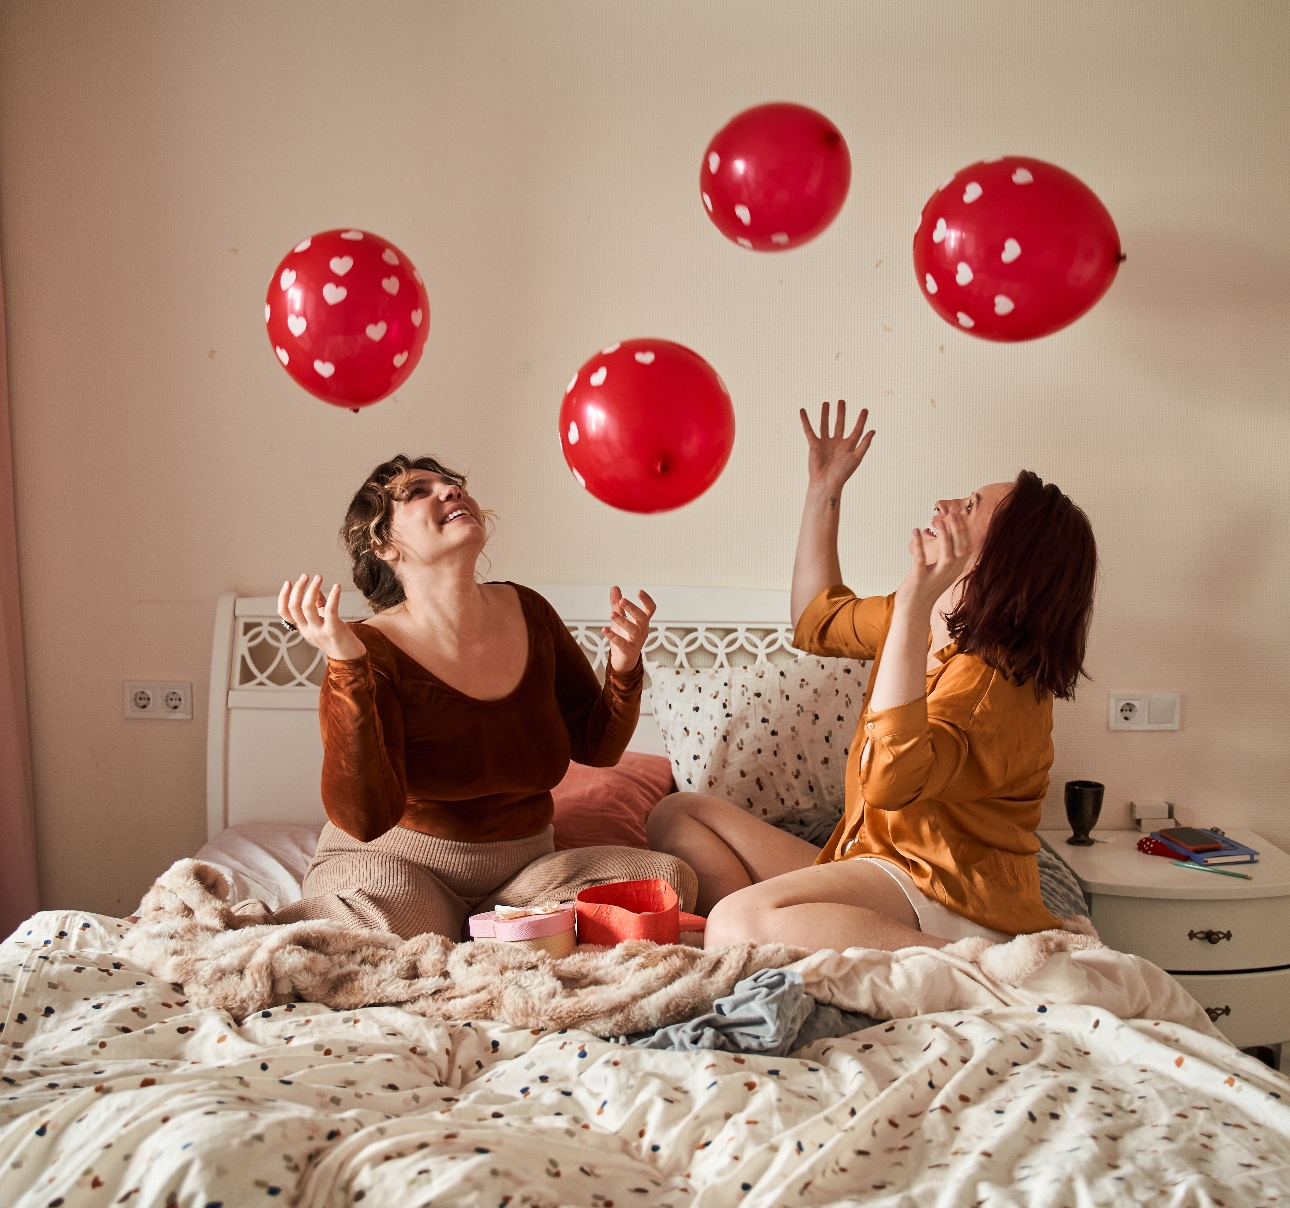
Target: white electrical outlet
1145, 710
159, 700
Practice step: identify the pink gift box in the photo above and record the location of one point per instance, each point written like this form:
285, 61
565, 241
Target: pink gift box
488, 926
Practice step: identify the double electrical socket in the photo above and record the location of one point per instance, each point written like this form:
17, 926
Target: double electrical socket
159, 700
1145, 710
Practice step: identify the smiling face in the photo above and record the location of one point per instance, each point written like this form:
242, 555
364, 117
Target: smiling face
433, 518
975, 511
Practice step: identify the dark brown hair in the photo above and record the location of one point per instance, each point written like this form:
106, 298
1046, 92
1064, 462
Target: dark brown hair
367, 526
1027, 603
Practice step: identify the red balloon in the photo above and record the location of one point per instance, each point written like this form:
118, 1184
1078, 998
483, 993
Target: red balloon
348, 316
775, 176
1014, 248
646, 425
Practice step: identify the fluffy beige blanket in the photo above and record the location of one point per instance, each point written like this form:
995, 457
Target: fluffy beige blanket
188, 934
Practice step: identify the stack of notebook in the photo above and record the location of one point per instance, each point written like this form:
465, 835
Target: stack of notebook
1229, 851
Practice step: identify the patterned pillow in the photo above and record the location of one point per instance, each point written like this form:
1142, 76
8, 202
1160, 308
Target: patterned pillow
772, 738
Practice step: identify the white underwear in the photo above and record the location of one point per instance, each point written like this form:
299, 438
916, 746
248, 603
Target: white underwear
933, 918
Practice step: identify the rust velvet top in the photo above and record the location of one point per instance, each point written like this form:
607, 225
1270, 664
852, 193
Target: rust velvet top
949, 787
402, 748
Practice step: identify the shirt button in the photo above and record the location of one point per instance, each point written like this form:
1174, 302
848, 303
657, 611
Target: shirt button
869, 724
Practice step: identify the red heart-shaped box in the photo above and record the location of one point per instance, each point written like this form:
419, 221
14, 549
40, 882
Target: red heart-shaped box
632, 910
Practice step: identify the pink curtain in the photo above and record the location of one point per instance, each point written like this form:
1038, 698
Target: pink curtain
18, 890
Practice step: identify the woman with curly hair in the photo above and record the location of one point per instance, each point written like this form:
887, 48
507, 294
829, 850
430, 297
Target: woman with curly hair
447, 718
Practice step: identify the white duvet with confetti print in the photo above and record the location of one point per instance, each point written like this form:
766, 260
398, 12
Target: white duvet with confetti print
116, 1092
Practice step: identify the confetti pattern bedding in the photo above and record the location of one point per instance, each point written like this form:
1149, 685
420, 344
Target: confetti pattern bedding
116, 1091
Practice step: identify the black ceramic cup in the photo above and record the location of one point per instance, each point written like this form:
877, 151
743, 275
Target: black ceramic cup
1083, 805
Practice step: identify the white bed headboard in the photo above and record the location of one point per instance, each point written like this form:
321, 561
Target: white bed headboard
263, 749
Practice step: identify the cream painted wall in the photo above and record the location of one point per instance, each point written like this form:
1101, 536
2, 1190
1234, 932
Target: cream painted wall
539, 163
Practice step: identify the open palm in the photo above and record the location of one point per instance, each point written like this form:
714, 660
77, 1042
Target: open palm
834, 458
627, 629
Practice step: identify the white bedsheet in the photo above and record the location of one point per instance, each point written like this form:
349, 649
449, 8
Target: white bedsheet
115, 1091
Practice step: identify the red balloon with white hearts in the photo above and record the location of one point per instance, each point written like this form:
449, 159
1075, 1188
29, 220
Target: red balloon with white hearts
1014, 248
775, 176
646, 425
348, 315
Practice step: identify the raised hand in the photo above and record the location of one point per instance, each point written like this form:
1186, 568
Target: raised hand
902, 673
303, 605
627, 629
833, 459
937, 568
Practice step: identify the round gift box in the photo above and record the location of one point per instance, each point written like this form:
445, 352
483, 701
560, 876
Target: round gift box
551, 933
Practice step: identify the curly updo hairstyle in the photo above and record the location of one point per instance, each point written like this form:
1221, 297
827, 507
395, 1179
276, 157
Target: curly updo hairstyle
1028, 601
367, 526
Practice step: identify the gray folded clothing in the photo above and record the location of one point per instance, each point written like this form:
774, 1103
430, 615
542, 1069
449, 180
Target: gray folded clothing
769, 1013
826, 1022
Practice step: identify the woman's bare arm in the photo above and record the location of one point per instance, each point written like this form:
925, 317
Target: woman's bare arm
831, 461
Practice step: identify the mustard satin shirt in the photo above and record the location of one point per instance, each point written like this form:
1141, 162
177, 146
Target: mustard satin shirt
949, 787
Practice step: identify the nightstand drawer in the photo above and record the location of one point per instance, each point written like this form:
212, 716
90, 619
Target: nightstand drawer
1192, 936
1248, 1008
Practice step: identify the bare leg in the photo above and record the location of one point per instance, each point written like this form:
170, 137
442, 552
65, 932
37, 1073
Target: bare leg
845, 904
727, 847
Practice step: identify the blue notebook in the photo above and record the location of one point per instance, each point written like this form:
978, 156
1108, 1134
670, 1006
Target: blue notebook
1231, 852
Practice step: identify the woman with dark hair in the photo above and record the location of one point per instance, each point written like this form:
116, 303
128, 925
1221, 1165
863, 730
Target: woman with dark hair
948, 770
449, 716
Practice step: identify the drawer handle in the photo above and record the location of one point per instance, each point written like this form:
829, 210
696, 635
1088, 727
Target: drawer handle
1212, 936
1217, 1013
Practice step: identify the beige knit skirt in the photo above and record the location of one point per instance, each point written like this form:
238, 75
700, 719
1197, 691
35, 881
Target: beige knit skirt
410, 883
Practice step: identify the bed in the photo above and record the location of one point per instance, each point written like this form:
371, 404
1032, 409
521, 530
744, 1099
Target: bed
1046, 1071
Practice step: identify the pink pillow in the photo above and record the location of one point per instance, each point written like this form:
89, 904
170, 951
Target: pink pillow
597, 807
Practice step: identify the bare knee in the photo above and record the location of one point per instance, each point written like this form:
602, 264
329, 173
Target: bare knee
739, 918
661, 825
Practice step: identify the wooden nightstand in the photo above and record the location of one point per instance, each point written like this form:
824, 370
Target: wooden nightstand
1226, 940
